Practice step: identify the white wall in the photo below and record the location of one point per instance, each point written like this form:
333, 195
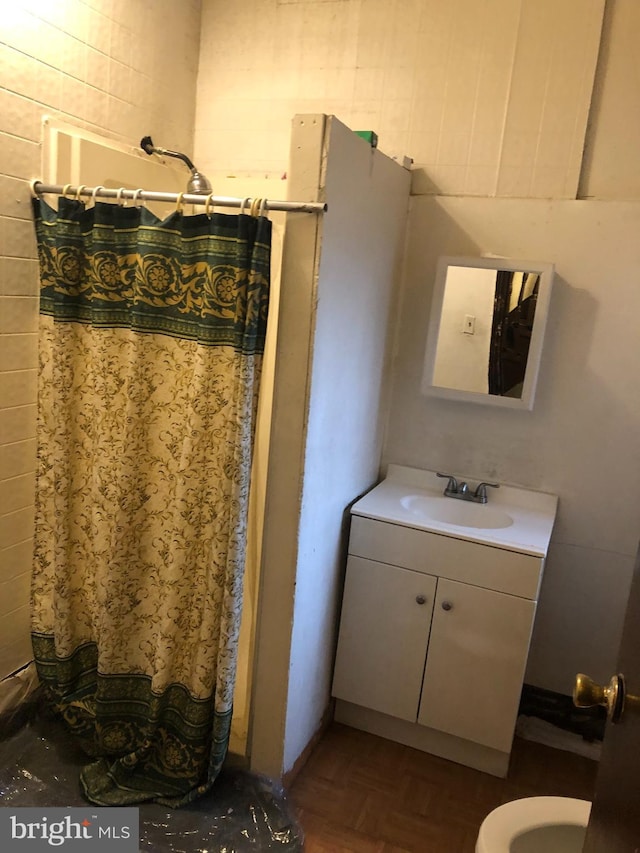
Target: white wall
121, 68
611, 166
362, 239
581, 439
336, 304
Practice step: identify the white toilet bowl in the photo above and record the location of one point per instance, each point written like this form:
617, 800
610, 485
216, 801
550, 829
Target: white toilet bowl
535, 824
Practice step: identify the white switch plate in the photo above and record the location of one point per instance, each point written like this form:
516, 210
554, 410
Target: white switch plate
469, 325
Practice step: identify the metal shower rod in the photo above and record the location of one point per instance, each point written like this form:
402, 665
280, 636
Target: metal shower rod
40, 188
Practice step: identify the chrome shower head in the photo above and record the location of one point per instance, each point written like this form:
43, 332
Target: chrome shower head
198, 184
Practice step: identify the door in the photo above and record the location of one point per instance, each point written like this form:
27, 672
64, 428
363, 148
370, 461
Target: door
475, 666
384, 632
614, 826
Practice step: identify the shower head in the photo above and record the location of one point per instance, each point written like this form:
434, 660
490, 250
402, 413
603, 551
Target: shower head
198, 183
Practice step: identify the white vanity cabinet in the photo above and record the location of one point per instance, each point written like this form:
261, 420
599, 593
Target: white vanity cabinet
433, 641
475, 665
386, 618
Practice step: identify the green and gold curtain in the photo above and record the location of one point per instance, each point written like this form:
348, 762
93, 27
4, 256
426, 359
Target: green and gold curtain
151, 341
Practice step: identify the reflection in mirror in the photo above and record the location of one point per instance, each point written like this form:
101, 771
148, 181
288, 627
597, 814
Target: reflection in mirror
486, 330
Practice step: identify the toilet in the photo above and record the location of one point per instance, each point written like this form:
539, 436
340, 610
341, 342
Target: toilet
534, 824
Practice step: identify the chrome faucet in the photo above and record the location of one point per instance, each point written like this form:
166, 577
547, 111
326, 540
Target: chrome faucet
462, 492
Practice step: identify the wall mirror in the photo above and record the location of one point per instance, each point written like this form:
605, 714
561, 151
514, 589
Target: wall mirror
486, 330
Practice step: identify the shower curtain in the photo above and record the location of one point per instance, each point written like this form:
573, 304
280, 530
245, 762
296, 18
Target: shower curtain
151, 341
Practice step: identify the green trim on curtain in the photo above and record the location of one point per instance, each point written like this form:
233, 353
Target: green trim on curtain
151, 339
120, 716
114, 266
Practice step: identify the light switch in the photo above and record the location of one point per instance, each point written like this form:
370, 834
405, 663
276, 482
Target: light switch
469, 325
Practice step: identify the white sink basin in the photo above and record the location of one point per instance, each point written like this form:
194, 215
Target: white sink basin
513, 518
456, 512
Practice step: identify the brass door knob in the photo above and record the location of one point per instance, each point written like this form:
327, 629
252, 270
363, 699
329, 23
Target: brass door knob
588, 694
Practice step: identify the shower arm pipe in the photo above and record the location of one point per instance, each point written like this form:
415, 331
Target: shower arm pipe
40, 188
153, 149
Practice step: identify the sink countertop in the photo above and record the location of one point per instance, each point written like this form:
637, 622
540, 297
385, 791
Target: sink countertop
533, 513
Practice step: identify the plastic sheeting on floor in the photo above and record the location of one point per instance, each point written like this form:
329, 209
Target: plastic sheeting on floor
40, 765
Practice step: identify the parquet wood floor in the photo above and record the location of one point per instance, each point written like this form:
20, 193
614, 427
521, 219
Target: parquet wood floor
359, 793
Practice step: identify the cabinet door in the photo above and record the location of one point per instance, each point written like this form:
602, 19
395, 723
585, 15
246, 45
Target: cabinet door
384, 632
477, 656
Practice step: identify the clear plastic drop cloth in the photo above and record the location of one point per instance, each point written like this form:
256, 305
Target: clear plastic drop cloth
243, 813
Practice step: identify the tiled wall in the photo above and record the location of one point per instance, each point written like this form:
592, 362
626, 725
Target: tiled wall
611, 163
126, 68
489, 97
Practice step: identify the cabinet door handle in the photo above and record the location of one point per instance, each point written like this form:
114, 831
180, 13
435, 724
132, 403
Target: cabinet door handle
420, 599
447, 605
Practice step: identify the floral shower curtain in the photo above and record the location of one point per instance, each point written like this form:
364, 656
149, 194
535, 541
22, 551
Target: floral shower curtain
151, 341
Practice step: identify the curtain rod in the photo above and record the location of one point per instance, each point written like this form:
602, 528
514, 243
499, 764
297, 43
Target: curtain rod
40, 188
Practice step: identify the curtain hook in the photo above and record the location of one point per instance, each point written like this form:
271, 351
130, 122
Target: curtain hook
121, 202
95, 192
136, 197
65, 190
263, 207
79, 191
244, 202
32, 187
179, 202
207, 205
255, 204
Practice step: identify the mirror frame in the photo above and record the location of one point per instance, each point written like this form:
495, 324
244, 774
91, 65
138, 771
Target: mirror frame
546, 271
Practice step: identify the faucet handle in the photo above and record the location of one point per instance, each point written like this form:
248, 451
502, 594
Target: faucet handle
452, 485
481, 491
